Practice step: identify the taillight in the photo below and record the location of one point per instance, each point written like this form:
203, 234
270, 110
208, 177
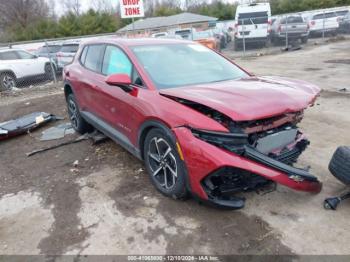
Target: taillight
312, 23
279, 28
59, 54
307, 27
269, 22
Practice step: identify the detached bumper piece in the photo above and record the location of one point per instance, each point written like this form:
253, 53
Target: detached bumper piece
222, 185
295, 174
24, 124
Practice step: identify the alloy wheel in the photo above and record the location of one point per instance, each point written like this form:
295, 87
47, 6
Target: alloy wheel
163, 163
8, 82
73, 113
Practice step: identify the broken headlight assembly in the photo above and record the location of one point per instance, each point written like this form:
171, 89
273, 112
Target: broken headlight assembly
234, 142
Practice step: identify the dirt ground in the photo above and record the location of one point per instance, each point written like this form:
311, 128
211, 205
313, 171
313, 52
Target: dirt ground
107, 205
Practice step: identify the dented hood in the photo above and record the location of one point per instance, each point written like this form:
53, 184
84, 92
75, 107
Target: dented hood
250, 98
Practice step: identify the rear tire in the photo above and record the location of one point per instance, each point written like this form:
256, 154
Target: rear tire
49, 74
7, 81
340, 164
78, 123
163, 164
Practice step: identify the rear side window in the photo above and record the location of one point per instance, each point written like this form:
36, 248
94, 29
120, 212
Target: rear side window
70, 48
253, 18
116, 62
10, 55
93, 60
292, 20
325, 15
83, 55
342, 13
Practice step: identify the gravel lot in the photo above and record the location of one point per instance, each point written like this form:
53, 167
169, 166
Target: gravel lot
106, 205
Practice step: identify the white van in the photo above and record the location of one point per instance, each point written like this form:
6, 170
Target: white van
253, 22
323, 21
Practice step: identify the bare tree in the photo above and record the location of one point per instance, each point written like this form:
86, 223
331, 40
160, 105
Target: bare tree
194, 4
103, 5
22, 12
73, 6
171, 3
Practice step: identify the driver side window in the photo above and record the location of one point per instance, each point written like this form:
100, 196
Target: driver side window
115, 61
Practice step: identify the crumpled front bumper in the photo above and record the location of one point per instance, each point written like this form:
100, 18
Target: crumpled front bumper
202, 159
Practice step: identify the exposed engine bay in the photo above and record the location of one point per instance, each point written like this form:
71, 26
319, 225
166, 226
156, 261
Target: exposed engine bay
276, 136
277, 139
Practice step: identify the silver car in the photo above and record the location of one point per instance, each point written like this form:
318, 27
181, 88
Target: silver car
66, 54
293, 26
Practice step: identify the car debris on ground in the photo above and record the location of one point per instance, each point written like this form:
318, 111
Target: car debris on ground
57, 132
25, 124
95, 136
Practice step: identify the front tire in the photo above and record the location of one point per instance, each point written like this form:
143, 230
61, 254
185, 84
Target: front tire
78, 123
163, 164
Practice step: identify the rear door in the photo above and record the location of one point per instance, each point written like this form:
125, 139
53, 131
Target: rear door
89, 79
253, 24
10, 60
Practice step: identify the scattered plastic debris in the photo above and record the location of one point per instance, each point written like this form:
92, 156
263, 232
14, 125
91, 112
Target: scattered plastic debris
77, 140
96, 137
76, 163
57, 132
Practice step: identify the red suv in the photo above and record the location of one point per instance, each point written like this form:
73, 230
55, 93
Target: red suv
201, 124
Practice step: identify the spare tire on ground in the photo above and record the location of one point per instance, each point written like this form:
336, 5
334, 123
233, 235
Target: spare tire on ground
340, 164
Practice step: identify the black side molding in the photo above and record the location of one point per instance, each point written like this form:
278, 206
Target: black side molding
111, 132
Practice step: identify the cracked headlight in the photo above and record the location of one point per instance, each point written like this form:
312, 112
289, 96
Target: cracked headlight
234, 142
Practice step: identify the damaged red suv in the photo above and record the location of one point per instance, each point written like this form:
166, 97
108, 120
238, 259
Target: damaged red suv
201, 124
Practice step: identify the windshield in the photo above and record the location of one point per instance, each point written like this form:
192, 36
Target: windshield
253, 18
293, 20
176, 65
202, 35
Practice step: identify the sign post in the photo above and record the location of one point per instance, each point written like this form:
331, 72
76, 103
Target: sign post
132, 9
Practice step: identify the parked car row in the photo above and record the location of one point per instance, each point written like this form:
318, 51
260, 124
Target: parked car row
20, 67
254, 24
216, 38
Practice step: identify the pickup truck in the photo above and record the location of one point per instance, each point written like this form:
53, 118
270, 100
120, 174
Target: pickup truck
323, 22
293, 26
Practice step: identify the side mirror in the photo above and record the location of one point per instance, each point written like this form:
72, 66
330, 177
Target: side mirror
121, 80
